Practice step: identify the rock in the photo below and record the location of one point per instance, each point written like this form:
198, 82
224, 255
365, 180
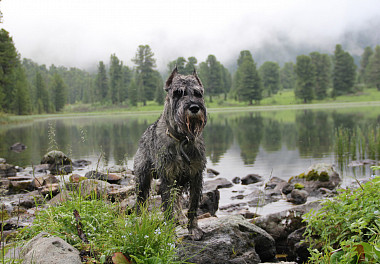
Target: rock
87, 188
17, 147
46, 249
52, 189
288, 188
239, 197
40, 168
298, 196
27, 200
20, 186
251, 178
217, 184
317, 176
110, 177
236, 180
7, 170
56, 157
298, 248
356, 163
40, 181
247, 214
209, 202
117, 169
258, 197
211, 173
276, 184
119, 193
58, 161
229, 239
209, 170
60, 169
327, 192
280, 225
2, 161
81, 163
76, 178
281, 262
229, 208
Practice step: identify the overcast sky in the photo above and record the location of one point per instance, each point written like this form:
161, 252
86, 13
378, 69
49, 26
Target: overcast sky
79, 33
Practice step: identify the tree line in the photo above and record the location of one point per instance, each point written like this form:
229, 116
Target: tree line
27, 87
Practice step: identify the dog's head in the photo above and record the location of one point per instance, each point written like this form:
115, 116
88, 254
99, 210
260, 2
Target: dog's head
185, 104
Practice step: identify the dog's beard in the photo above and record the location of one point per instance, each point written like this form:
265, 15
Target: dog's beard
195, 124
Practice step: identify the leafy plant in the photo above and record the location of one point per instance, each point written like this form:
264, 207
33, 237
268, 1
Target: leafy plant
347, 228
143, 238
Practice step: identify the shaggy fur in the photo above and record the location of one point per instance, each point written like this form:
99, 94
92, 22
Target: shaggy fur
172, 148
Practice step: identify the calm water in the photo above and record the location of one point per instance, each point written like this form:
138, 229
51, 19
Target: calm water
280, 143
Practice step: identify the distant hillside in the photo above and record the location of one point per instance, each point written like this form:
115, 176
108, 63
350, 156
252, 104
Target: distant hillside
283, 49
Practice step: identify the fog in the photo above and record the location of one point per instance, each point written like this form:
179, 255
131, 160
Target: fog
80, 33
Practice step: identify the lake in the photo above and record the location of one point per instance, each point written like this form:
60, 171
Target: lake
278, 141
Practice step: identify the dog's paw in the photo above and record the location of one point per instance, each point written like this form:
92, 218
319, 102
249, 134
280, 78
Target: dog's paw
196, 233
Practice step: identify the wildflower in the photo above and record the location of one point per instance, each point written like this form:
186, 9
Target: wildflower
146, 236
157, 231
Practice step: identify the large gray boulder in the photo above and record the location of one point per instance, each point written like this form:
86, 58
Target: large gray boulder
46, 249
229, 239
316, 177
280, 225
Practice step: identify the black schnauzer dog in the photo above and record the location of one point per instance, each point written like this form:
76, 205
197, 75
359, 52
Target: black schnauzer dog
172, 149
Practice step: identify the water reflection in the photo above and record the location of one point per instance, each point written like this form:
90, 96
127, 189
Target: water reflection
253, 137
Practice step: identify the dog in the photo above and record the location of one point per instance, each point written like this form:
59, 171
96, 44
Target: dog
173, 150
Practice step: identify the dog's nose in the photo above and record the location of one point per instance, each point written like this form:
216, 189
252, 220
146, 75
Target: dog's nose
194, 108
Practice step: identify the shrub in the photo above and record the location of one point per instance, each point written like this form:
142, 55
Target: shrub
347, 228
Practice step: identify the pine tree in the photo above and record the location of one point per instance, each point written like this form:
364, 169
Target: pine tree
364, 64
9, 62
344, 72
21, 102
115, 78
59, 92
132, 92
249, 86
190, 65
101, 83
42, 94
373, 72
126, 80
322, 73
145, 64
270, 77
227, 81
287, 76
305, 78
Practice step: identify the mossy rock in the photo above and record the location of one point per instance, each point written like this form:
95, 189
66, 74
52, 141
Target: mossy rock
313, 175
299, 186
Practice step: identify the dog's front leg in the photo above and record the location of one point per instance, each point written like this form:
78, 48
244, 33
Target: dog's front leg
195, 192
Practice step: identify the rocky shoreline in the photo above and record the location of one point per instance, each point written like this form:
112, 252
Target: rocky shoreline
239, 236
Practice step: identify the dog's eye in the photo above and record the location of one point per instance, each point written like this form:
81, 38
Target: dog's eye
177, 93
197, 94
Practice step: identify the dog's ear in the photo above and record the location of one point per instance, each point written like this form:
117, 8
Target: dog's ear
196, 77
170, 79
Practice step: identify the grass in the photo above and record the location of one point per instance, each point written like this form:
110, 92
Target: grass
147, 237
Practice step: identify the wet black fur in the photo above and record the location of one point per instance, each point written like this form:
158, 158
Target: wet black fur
172, 149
